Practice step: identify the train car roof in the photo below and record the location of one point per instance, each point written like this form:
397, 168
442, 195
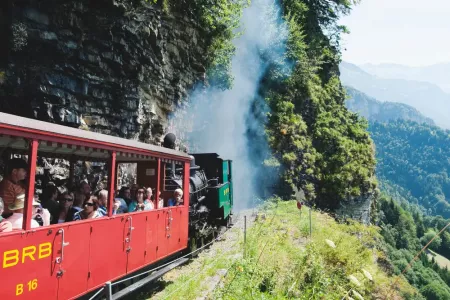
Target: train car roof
30, 128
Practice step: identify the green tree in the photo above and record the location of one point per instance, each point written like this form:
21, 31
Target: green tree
323, 148
434, 291
435, 244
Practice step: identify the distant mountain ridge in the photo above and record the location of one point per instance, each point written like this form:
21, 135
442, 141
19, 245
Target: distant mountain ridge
438, 74
374, 110
427, 98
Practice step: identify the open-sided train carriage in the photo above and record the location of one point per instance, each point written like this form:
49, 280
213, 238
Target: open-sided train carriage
67, 260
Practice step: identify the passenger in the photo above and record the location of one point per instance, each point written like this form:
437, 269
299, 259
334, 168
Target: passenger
161, 201
11, 186
65, 203
5, 226
85, 188
133, 190
76, 207
17, 208
103, 202
177, 198
90, 210
49, 202
117, 205
125, 194
140, 203
148, 197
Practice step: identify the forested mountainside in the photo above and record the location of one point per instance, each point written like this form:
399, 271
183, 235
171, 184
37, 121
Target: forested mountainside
427, 98
405, 231
413, 160
374, 110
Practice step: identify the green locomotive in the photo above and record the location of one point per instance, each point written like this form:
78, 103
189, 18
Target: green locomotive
211, 193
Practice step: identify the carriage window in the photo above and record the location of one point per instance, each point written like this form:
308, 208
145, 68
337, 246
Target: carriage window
71, 183
12, 190
14, 169
172, 185
137, 182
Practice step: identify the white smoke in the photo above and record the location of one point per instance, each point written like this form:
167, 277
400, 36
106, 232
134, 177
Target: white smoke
217, 121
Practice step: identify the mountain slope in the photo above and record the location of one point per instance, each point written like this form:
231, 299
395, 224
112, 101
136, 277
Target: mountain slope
437, 74
429, 99
415, 158
374, 110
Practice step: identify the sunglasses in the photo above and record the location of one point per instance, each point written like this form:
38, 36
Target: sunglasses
67, 199
140, 192
88, 204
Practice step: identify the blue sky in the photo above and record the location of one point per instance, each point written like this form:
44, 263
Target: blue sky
408, 32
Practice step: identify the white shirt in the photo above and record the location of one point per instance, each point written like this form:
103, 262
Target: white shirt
17, 220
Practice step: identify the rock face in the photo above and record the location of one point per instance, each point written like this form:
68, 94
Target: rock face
107, 65
358, 208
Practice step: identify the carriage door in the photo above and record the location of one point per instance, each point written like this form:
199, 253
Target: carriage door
135, 240
71, 248
173, 229
173, 179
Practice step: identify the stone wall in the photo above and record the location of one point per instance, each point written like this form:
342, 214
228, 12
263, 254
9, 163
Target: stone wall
100, 65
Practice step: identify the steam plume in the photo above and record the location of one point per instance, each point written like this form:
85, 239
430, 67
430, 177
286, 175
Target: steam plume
220, 121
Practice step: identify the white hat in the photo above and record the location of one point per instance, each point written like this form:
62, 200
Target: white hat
20, 203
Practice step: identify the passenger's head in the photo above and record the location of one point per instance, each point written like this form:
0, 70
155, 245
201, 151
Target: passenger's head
103, 197
50, 192
19, 203
140, 193
85, 188
149, 193
90, 204
17, 169
178, 193
66, 200
125, 192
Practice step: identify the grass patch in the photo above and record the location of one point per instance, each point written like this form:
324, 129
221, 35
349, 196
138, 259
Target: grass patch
283, 263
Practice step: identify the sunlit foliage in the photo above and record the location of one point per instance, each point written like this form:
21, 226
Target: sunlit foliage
323, 148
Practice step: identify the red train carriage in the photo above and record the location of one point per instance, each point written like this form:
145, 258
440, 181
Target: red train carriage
67, 260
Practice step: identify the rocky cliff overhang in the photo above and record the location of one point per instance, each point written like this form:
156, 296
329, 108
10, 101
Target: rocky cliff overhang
103, 65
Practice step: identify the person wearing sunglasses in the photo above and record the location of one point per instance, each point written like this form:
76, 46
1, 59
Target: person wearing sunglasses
90, 210
140, 203
65, 203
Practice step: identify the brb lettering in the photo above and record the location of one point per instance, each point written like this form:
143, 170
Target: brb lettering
14, 257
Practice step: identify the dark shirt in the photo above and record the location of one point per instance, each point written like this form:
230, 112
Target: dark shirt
71, 213
53, 209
